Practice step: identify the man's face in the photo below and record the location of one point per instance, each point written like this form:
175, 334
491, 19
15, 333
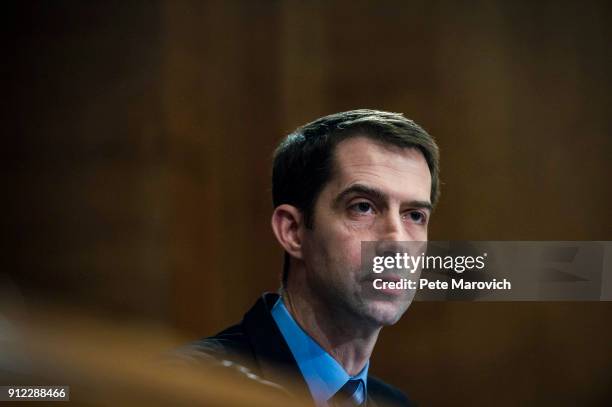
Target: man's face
376, 192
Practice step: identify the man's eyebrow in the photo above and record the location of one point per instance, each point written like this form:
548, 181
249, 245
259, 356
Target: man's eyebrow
374, 193
421, 204
377, 195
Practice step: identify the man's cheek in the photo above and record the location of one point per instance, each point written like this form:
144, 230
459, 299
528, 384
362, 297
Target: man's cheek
352, 257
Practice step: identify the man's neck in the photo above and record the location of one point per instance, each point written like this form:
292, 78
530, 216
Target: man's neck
349, 341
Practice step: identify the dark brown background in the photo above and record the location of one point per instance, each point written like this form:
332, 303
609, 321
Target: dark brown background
138, 140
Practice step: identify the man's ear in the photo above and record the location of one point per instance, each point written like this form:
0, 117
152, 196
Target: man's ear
287, 224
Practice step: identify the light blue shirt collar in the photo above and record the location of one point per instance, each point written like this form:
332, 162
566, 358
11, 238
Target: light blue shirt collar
322, 373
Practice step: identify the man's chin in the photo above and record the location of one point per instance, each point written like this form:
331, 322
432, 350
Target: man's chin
385, 313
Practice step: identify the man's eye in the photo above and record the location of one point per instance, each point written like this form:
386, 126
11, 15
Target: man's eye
417, 217
362, 208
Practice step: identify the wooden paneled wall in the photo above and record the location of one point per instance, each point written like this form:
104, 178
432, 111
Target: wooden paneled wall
139, 139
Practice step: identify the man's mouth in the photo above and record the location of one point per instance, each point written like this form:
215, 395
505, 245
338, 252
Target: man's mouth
386, 276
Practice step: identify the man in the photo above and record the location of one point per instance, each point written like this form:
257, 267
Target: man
362, 175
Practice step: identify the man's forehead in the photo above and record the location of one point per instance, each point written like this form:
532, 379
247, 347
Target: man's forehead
362, 160
362, 154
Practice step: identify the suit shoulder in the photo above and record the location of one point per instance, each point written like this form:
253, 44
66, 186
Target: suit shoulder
387, 395
231, 344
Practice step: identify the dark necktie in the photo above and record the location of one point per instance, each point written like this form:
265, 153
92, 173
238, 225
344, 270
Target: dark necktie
349, 395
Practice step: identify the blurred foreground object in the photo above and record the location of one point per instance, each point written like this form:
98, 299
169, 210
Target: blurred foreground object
109, 363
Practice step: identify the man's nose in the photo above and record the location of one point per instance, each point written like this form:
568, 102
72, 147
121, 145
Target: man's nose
393, 228
391, 231
394, 235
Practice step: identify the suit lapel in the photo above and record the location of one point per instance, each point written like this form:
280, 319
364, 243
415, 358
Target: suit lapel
370, 401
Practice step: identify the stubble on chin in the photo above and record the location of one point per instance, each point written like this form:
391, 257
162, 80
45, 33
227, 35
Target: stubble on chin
386, 312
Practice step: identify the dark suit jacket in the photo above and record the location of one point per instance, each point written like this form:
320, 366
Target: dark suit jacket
257, 344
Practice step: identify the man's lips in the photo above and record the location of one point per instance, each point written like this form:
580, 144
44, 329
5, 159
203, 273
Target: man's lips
389, 277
